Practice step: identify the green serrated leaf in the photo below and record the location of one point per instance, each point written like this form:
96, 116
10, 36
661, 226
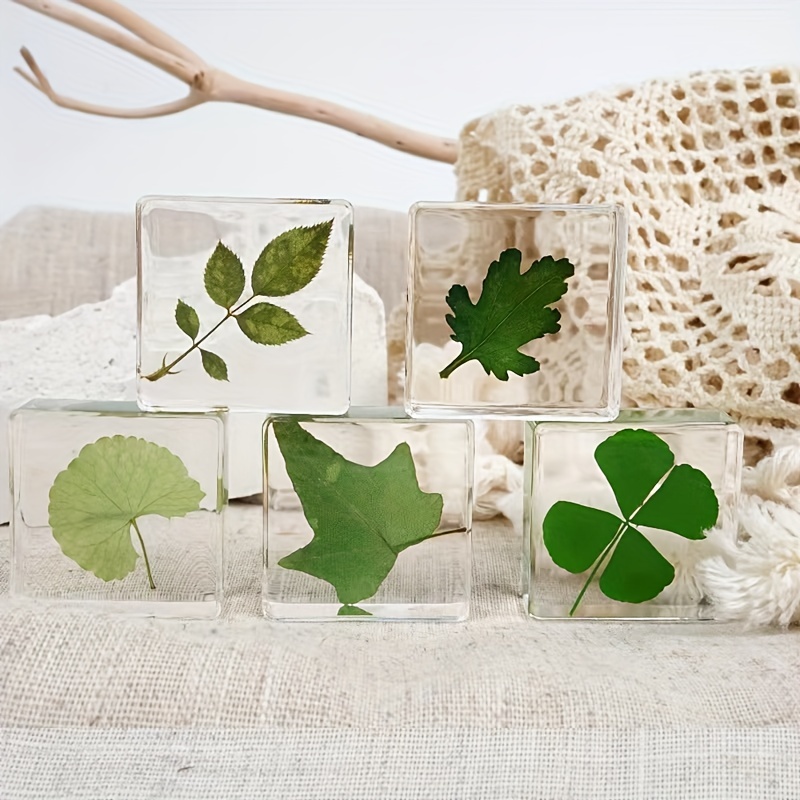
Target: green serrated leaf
291, 260
651, 491
187, 320
224, 277
264, 323
353, 611
362, 517
512, 311
214, 366
96, 502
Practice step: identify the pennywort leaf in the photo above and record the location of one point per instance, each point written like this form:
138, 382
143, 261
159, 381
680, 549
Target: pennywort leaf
265, 323
98, 500
511, 311
214, 366
362, 516
187, 319
224, 276
291, 260
651, 491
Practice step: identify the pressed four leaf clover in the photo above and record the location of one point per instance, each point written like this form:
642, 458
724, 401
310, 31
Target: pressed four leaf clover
651, 491
97, 501
362, 516
286, 265
512, 311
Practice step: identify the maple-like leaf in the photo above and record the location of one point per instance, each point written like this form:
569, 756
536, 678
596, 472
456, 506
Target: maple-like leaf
362, 516
512, 311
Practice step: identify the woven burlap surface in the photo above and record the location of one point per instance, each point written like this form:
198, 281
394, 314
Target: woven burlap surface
93, 705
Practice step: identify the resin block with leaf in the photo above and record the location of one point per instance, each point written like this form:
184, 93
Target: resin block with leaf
368, 517
118, 507
620, 516
515, 310
244, 304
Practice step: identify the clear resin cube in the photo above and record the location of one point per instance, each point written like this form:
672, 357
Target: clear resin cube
515, 310
620, 516
367, 517
244, 304
118, 507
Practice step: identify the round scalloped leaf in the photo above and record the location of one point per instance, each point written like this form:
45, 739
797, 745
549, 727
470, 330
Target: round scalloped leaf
111, 483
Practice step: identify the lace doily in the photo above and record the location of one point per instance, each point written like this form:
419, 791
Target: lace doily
708, 168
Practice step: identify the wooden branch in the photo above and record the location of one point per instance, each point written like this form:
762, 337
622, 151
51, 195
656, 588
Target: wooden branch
207, 83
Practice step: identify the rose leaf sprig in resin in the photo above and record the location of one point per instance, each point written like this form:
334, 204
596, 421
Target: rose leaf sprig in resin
511, 311
362, 516
651, 491
96, 502
286, 265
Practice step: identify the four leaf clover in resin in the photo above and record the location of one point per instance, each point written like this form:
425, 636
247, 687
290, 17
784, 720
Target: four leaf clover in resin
512, 311
651, 491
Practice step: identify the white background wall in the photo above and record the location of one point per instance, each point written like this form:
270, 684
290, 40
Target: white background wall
430, 65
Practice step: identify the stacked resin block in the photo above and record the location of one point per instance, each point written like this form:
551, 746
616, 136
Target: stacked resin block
118, 506
367, 517
617, 514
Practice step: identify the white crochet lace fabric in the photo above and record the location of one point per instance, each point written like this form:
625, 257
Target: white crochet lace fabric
708, 168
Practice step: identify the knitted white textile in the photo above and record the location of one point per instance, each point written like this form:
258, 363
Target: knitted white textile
708, 168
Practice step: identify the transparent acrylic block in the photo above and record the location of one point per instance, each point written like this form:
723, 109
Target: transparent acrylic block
581, 558
118, 507
565, 317
244, 304
367, 517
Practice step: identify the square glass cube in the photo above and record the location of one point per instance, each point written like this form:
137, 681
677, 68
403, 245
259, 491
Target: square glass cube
615, 513
367, 517
244, 304
118, 507
453, 245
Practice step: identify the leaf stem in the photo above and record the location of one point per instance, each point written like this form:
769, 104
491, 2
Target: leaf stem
445, 533
144, 553
453, 365
617, 536
164, 370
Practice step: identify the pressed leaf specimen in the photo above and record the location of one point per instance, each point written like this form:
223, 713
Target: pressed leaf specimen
651, 491
286, 265
362, 516
97, 501
511, 311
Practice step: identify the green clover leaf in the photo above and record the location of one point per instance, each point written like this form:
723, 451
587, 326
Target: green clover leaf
651, 491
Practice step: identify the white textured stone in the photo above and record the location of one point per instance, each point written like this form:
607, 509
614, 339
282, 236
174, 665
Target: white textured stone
90, 353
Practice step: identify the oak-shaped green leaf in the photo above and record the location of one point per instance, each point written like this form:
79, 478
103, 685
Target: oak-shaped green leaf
214, 366
362, 516
224, 276
187, 319
651, 491
96, 502
291, 260
512, 311
264, 323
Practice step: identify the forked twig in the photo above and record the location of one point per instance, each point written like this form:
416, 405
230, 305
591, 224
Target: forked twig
207, 83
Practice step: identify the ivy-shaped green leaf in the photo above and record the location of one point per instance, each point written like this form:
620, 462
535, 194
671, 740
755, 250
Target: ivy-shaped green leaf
512, 311
362, 517
651, 491
286, 265
97, 501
